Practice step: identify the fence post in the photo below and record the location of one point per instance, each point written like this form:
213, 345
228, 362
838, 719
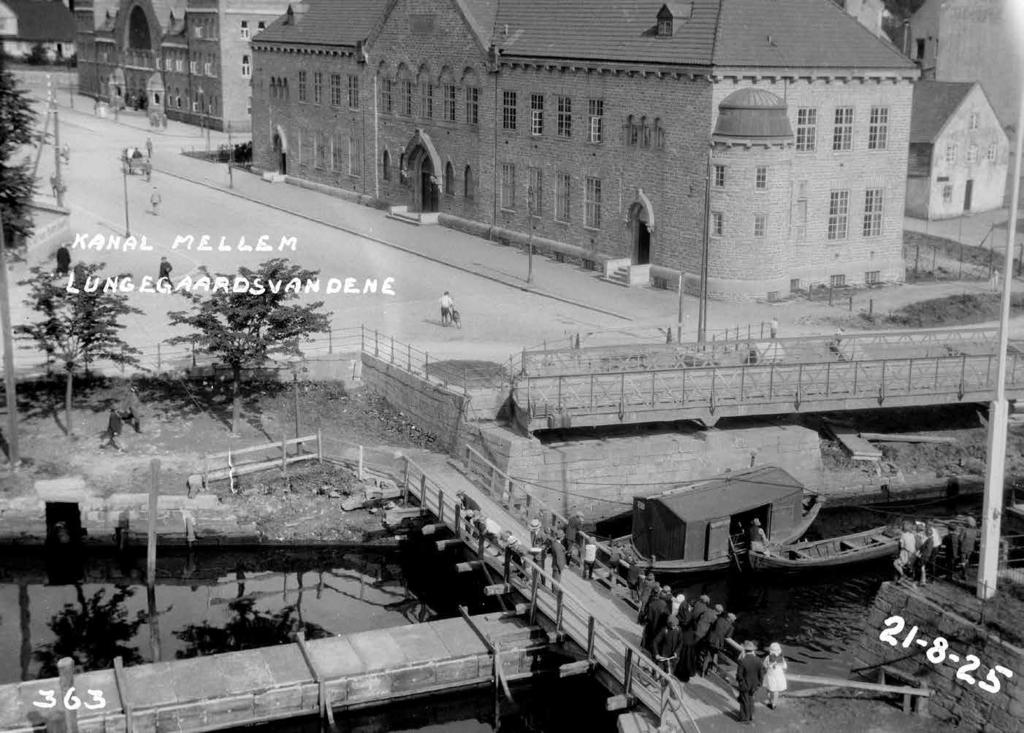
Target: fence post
440, 506
319, 445
284, 452
405, 484
591, 628
423, 491
330, 342
158, 356
558, 613
508, 565
360, 462
362, 337
533, 595
376, 342
193, 354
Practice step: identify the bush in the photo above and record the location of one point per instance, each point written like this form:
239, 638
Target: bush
37, 56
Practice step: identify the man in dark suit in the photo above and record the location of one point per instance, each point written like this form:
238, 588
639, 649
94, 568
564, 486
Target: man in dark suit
749, 674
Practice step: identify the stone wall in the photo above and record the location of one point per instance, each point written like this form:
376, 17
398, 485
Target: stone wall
954, 699
600, 475
431, 407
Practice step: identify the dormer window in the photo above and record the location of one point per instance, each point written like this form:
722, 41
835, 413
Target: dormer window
672, 14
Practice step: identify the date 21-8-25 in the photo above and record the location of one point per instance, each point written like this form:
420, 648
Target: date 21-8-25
938, 651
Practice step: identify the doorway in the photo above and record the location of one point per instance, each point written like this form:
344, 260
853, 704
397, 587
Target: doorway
968, 194
282, 156
425, 192
641, 231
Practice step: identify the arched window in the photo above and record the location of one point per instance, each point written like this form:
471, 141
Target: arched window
467, 183
632, 132
385, 165
449, 179
645, 133
659, 134
426, 93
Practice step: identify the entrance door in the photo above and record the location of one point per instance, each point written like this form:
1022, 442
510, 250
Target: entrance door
282, 162
427, 188
641, 235
968, 192
718, 539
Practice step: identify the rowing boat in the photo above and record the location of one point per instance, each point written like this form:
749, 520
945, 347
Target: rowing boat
872, 544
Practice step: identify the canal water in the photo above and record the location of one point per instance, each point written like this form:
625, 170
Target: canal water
94, 606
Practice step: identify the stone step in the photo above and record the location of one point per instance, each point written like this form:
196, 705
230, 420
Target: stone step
413, 219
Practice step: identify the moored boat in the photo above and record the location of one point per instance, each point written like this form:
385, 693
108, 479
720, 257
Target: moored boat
706, 525
872, 544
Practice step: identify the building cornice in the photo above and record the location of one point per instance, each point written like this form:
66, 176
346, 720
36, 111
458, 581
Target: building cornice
303, 49
613, 68
751, 74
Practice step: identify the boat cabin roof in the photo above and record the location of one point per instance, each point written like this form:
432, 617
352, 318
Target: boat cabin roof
729, 494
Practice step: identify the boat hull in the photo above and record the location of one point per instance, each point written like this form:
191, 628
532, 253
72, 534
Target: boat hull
827, 554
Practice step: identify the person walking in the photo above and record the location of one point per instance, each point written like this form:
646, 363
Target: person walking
164, 273
572, 534
656, 618
773, 328
968, 541
149, 148
635, 579
908, 551
65, 153
648, 586
749, 676
155, 200
63, 260
704, 625
720, 631
667, 645
557, 550
775, 674
446, 308
589, 559
129, 409
113, 430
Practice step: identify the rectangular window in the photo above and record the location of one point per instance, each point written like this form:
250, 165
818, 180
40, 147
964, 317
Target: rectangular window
508, 185
208, 69
508, 110
592, 203
386, 100
806, 129
872, 212
947, 193
760, 225
842, 133
246, 67
428, 100
336, 164
302, 86
951, 152
838, 214
872, 277
719, 176
407, 97
878, 128
972, 153
974, 121
991, 154
353, 91
565, 118
335, 90
448, 93
563, 191
197, 30
837, 281
472, 106
536, 114
535, 194
318, 87
717, 223
761, 177
193, 67
800, 221
595, 109
245, 30
355, 161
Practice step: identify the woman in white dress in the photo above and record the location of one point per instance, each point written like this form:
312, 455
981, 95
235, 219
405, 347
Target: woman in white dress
774, 674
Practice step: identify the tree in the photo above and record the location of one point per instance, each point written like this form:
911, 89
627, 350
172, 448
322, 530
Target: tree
16, 184
37, 55
77, 328
243, 329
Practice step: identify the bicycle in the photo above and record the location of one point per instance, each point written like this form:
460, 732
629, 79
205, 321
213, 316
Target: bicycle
456, 318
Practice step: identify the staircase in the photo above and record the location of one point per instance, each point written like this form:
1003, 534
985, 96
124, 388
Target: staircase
624, 272
402, 213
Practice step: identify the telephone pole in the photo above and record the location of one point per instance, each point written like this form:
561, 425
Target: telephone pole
59, 185
8, 341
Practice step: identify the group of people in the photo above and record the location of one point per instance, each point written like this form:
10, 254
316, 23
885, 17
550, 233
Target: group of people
128, 410
686, 640
921, 544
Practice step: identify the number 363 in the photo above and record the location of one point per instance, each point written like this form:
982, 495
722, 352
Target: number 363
72, 701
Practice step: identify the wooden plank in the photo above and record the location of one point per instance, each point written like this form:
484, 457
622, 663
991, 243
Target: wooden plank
497, 589
468, 567
122, 692
571, 669
443, 545
616, 702
857, 685
907, 438
854, 444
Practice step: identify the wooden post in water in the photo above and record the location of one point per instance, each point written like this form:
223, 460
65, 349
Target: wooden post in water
68, 700
154, 494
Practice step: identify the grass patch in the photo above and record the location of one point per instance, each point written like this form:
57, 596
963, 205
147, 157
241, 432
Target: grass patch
952, 310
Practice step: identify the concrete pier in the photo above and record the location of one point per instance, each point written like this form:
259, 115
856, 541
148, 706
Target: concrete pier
273, 683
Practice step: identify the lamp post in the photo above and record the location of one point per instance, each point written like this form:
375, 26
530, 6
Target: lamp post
988, 563
702, 312
530, 202
124, 174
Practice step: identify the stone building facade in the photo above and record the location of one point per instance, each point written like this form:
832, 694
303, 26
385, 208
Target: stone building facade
600, 138
188, 58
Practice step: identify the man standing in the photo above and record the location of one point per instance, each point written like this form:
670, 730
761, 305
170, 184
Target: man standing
155, 200
667, 645
113, 430
63, 260
774, 327
589, 559
908, 551
165, 271
656, 617
446, 308
968, 541
149, 148
557, 550
749, 675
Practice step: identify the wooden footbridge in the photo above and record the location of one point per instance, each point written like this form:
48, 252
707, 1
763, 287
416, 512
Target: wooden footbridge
612, 385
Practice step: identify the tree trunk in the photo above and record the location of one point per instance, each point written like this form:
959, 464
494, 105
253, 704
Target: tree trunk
236, 397
69, 382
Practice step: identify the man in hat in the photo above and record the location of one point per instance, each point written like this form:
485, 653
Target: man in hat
648, 586
749, 675
113, 430
706, 620
557, 550
968, 541
756, 536
702, 605
667, 645
129, 409
657, 616
720, 631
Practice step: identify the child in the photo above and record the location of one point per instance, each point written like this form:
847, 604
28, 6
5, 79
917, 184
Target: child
775, 674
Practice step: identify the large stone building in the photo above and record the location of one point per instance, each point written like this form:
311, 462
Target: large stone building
189, 58
599, 125
958, 151
973, 40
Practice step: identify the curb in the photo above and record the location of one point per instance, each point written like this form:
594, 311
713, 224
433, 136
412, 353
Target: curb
401, 248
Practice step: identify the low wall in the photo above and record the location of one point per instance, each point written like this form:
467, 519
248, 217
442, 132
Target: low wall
432, 408
954, 699
52, 226
600, 476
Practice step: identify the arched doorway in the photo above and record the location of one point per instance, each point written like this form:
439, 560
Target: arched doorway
640, 227
424, 180
281, 151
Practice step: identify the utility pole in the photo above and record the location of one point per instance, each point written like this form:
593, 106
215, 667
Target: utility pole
8, 340
679, 327
59, 187
702, 309
231, 159
124, 173
995, 470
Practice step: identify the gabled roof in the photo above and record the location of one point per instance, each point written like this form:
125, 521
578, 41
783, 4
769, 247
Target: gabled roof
934, 103
729, 494
326, 23
43, 20
753, 33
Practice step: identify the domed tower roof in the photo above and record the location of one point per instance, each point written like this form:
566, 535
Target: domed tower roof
753, 113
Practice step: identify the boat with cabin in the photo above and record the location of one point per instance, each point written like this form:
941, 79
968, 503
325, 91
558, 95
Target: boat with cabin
706, 525
835, 552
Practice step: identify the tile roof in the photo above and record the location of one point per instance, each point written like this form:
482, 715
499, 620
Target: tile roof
480, 15
43, 20
934, 102
327, 23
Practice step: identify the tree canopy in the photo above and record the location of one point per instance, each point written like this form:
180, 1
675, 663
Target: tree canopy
16, 184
